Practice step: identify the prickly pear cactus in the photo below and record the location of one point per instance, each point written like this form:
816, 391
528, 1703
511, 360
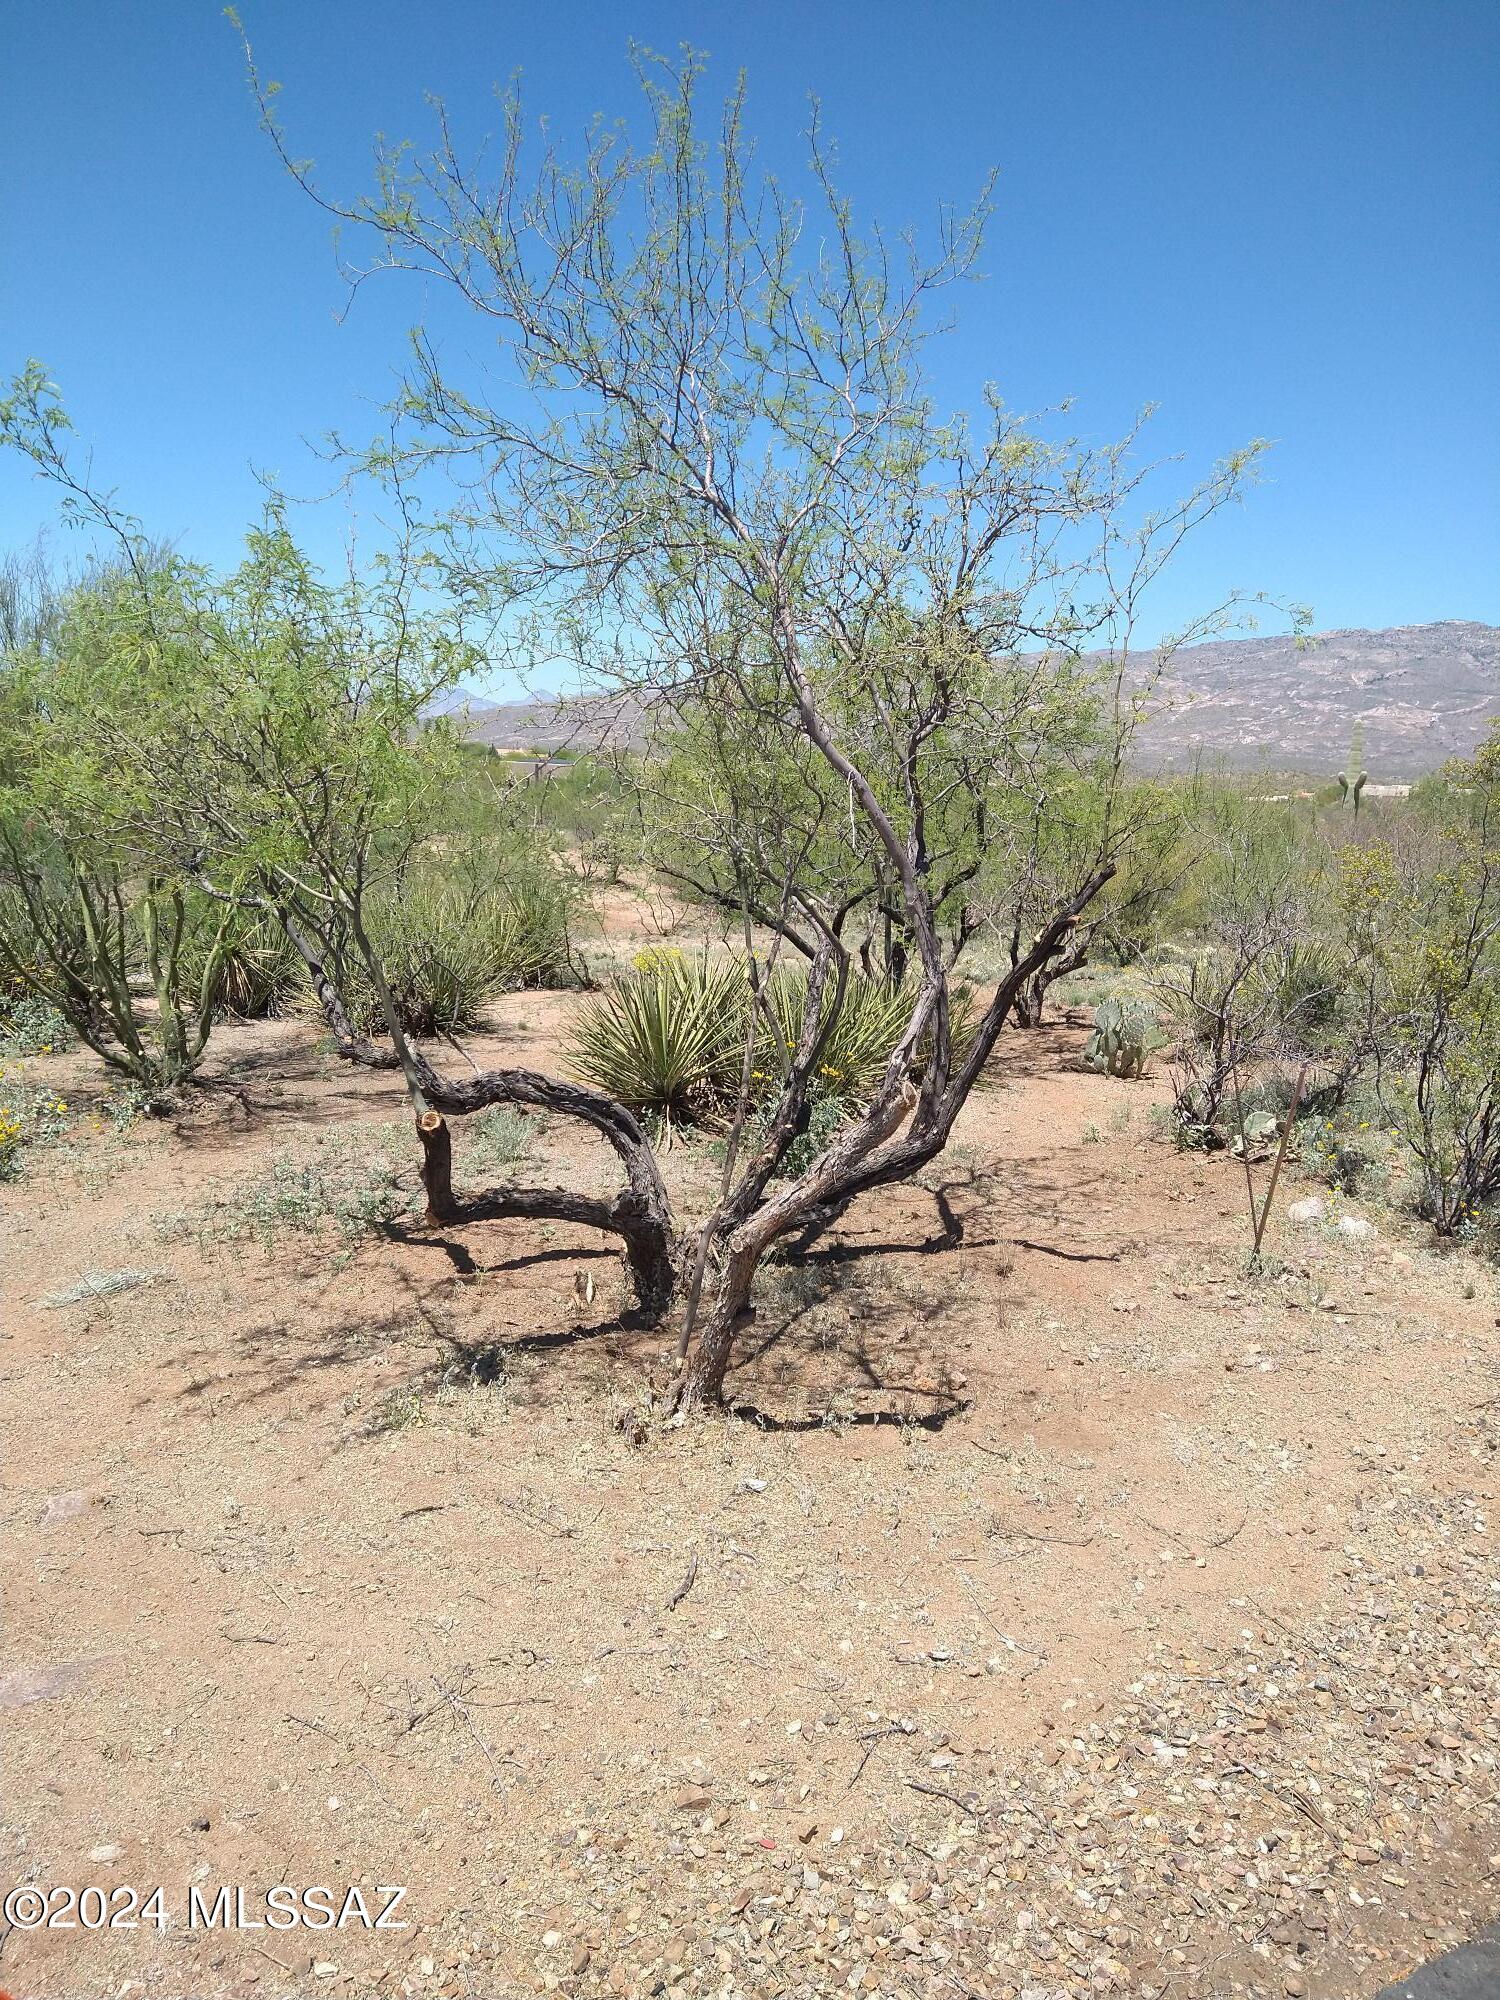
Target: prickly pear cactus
1121, 1040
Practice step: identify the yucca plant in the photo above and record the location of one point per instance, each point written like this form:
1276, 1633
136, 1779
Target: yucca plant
448, 948
531, 935
666, 1039
860, 1036
437, 948
259, 971
872, 1017
1306, 979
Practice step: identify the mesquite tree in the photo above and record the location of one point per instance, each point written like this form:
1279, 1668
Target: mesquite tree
709, 470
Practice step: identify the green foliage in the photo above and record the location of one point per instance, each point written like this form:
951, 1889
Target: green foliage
668, 1038
533, 934
590, 805
1422, 915
1347, 1156
447, 950
1305, 980
249, 964
262, 733
495, 1141
344, 1189
1262, 984
859, 1030
30, 1026
825, 1114
31, 1114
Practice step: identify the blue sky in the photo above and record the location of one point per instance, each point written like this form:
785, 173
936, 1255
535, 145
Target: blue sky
1271, 219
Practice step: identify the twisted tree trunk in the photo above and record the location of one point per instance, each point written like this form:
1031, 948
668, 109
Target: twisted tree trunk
640, 1214
869, 1155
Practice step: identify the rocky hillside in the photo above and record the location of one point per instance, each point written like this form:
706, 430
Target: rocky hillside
1421, 693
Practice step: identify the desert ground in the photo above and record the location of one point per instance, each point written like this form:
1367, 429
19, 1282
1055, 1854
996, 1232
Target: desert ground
1057, 1610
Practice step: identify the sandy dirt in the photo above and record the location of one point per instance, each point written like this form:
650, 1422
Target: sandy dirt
1058, 1612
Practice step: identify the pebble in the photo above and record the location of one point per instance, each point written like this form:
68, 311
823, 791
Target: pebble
1253, 1782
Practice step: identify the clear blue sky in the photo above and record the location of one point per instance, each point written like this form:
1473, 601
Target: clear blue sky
1275, 217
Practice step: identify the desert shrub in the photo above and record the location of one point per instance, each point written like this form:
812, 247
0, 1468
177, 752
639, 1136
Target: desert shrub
668, 1038
87, 947
339, 1190
825, 1114
1348, 1158
43, 946
533, 930
1302, 982
30, 1115
448, 949
496, 1140
869, 1020
438, 954
30, 1026
256, 970
1423, 915
1260, 990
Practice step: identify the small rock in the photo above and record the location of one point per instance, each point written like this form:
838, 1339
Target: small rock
1310, 1209
108, 1850
692, 1799
1356, 1229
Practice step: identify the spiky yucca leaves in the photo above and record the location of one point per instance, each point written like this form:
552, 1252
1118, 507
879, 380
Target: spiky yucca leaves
437, 948
668, 1038
259, 972
531, 933
870, 1020
448, 949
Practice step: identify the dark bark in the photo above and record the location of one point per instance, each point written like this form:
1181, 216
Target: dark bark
653, 1272
437, 1166
1029, 1002
867, 1156
640, 1213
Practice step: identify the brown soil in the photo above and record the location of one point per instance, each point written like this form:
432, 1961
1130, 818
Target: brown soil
1060, 1611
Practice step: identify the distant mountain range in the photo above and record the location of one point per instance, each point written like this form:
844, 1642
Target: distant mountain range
1421, 694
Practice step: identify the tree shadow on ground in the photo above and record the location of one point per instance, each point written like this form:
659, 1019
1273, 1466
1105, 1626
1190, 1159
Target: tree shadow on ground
849, 1330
